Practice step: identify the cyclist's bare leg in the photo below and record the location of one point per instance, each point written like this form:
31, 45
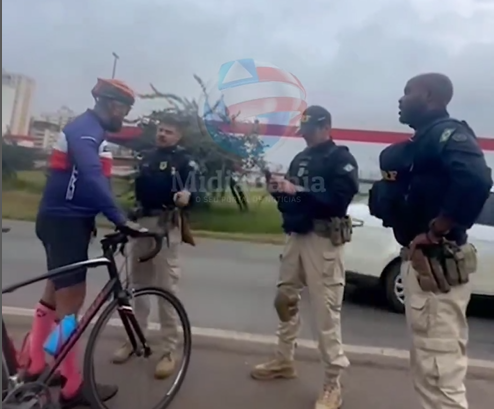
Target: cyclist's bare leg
69, 300
66, 241
52, 306
48, 296
43, 323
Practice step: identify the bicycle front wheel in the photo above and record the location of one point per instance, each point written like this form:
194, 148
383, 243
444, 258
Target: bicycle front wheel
181, 370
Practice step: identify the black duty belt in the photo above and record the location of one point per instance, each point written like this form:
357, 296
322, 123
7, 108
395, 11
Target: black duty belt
152, 212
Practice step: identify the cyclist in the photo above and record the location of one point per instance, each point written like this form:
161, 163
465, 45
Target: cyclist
77, 189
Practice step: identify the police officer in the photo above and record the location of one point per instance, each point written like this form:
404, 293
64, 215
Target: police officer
162, 189
313, 198
434, 187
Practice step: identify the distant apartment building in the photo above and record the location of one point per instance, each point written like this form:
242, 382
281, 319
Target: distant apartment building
8, 98
17, 99
45, 128
60, 117
43, 133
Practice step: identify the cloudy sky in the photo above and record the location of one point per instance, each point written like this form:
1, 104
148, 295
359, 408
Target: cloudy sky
353, 56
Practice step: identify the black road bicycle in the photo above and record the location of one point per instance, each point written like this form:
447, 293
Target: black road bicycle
36, 395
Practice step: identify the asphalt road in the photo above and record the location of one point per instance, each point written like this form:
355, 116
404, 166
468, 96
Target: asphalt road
219, 374
230, 286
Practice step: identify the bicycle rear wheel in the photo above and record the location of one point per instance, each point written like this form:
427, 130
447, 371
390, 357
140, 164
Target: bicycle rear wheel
89, 375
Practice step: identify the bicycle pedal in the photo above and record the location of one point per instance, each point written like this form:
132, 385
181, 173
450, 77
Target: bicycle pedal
145, 352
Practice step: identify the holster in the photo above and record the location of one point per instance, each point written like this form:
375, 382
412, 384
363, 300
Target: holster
168, 218
443, 266
187, 236
338, 230
177, 218
165, 223
459, 262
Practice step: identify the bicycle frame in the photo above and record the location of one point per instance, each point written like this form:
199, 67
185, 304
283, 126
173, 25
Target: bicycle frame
113, 287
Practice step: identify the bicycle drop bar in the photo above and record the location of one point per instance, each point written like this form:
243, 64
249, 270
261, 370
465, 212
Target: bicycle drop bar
113, 240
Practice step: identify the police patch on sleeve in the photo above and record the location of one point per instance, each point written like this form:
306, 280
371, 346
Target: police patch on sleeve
459, 137
446, 135
348, 167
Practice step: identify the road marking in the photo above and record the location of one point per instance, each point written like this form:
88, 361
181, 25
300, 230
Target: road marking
265, 339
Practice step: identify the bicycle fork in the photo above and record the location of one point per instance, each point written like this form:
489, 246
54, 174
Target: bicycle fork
132, 327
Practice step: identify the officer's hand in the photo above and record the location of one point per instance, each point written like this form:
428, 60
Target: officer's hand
273, 182
424, 239
272, 186
281, 185
132, 229
287, 187
182, 198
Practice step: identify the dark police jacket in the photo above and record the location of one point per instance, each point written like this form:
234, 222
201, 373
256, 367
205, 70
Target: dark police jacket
441, 170
162, 173
326, 176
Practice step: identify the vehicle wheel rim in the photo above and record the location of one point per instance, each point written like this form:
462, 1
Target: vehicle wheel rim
400, 289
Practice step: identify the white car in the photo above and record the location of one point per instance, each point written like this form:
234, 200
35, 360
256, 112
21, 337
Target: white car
372, 257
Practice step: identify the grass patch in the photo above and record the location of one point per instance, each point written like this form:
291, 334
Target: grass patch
224, 216
27, 181
262, 223
19, 205
20, 200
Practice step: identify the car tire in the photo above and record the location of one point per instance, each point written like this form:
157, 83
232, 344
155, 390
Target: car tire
393, 288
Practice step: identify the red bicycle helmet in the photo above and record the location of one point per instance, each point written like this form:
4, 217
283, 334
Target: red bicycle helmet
114, 89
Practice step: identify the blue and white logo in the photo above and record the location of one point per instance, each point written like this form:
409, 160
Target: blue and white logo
252, 91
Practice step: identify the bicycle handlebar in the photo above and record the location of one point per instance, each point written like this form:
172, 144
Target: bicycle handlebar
112, 240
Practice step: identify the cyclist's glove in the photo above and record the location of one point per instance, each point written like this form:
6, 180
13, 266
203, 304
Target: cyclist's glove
132, 229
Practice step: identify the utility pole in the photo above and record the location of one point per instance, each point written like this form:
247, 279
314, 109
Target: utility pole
115, 62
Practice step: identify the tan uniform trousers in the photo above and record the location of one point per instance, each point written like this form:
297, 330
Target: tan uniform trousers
162, 271
312, 261
439, 331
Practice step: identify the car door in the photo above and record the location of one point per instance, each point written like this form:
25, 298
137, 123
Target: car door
481, 235
372, 246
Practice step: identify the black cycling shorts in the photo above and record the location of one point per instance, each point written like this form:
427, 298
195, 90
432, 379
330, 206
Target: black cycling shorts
66, 241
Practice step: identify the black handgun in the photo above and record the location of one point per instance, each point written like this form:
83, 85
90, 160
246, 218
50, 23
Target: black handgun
267, 175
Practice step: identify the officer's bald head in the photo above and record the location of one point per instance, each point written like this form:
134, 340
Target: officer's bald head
438, 87
423, 94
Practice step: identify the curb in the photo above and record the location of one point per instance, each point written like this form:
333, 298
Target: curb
246, 344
